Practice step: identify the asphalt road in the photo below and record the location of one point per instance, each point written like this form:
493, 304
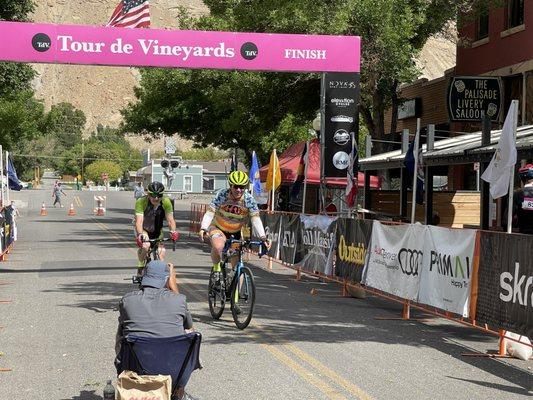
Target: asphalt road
67, 273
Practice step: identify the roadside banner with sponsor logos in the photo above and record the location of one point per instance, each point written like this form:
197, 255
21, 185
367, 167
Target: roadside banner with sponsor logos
288, 238
445, 279
395, 258
98, 45
341, 125
272, 225
505, 282
353, 237
317, 238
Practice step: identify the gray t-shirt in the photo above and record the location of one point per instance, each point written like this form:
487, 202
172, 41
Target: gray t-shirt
153, 312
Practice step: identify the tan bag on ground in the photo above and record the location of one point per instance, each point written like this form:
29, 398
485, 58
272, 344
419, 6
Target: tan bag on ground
131, 386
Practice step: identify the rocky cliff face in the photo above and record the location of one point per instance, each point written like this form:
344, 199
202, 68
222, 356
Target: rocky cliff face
100, 92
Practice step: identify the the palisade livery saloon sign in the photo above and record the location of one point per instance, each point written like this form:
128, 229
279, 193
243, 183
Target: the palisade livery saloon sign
470, 96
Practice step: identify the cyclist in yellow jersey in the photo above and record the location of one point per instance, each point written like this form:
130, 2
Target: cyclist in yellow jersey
227, 214
150, 211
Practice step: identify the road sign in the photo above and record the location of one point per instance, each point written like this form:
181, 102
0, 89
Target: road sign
170, 145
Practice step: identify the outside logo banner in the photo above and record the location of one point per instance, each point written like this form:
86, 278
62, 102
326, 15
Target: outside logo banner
353, 238
289, 233
272, 224
395, 259
317, 241
93, 45
505, 282
447, 269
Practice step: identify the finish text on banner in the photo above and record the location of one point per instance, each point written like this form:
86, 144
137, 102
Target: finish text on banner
317, 240
395, 259
446, 274
505, 282
353, 238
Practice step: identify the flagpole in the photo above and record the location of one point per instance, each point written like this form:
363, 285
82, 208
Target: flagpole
415, 154
511, 175
306, 161
273, 181
251, 177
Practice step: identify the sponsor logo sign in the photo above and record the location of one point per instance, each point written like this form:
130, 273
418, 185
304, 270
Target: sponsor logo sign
340, 100
98, 45
395, 259
505, 282
317, 233
289, 243
353, 237
448, 265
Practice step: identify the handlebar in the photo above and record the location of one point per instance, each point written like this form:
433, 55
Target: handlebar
159, 240
247, 244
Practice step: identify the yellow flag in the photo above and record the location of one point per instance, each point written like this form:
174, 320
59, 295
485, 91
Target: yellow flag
274, 172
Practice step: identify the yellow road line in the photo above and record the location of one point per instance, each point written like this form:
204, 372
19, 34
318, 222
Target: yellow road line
330, 392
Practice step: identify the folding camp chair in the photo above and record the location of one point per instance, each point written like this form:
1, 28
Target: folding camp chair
176, 356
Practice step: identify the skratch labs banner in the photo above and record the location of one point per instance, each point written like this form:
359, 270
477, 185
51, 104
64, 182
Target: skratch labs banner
505, 282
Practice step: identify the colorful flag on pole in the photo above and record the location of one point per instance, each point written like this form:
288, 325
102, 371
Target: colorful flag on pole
498, 173
14, 183
254, 176
274, 172
409, 163
351, 177
131, 14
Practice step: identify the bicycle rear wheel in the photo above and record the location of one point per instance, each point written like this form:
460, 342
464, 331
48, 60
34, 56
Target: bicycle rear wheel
216, 295
243, 298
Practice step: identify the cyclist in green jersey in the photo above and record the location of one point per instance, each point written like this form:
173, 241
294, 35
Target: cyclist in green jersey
150, 212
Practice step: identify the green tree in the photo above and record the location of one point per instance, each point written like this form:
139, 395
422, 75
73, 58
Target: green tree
65, 124
20, 115
95, 170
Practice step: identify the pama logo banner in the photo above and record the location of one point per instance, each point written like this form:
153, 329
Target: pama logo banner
505, 282
445, 279
353, 237
395, 259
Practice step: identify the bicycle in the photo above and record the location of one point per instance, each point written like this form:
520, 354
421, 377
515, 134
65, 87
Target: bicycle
152, 254
236, 284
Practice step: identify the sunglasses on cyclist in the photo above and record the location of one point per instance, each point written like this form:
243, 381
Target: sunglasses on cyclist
243, 187
155, 196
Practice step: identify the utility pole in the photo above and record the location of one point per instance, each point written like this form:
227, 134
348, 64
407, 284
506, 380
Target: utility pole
82, 161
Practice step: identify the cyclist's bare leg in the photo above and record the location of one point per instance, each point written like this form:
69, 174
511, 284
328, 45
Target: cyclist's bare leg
161, 251
217, 245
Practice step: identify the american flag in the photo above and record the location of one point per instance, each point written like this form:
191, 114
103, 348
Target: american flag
131, 14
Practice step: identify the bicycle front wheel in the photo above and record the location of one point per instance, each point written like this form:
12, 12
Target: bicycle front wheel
215, 294
243, 298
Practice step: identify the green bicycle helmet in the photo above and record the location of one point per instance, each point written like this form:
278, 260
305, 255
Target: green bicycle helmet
238, 178
156, 189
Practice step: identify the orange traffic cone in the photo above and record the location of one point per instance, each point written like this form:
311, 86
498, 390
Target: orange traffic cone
43, 209
71, 210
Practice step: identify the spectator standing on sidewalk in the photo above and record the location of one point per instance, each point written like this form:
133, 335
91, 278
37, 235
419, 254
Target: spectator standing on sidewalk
57, 193
138, 191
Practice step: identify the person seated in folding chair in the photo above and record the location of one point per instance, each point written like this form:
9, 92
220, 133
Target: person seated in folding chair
155, 311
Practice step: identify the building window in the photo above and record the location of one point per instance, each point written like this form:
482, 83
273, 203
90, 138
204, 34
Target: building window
515, 13
482, 26
209, 183
187, 183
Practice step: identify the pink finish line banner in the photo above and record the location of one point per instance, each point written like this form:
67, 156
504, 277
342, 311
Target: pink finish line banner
77, 44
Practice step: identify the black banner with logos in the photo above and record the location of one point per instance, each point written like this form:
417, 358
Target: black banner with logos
317, 238
288, 239
353, 238
341, 102
272, 224
505, 282
469, 96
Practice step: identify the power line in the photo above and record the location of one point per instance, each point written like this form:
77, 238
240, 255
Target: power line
77, 158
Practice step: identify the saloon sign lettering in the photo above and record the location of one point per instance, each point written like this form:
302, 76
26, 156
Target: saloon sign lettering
469, 97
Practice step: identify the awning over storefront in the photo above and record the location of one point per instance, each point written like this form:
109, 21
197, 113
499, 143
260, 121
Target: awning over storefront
290, 160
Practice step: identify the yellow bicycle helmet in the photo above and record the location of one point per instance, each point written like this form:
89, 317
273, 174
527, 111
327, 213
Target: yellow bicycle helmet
238, 178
